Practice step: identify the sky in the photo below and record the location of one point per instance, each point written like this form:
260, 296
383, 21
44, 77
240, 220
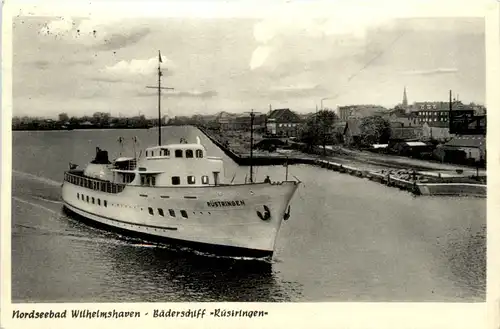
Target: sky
81, 65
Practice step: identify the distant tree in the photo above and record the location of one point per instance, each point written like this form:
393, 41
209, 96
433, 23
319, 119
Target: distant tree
100, 118
375, 130
319, 129
63, 117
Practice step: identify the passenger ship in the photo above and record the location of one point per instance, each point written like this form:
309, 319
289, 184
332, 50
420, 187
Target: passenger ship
176, 193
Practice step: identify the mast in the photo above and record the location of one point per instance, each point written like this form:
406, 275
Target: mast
159, 99
159, 87
251, 146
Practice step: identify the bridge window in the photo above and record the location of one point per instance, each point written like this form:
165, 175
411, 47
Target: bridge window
184, 214
105, 203
204, 180
176, 180
189, 153
150, 211
191, 180
178, 153
165, 152
99, 202
93, 200
160, 211
78, 195
199, 153
87, 198
171, 212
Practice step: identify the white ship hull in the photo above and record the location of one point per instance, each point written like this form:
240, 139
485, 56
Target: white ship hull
221, 219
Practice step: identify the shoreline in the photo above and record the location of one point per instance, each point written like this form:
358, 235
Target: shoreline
421, 185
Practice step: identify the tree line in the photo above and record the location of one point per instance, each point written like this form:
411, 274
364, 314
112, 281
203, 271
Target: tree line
98, 120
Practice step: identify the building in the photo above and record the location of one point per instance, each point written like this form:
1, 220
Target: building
283, 122
360, 111
223, 119
438, 111
436, 130
405, 131
352, 132
464, 149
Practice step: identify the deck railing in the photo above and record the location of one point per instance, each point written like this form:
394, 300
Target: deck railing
93, 184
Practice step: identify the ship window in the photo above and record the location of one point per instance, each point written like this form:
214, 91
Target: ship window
150, 211
99, 202
171, 212
189, 153
191, 180
178, 153
78, 195
199, 153
87, 198
204, 179
93, 200
176, 180
165, 152
160, 211
184, 214
105, 203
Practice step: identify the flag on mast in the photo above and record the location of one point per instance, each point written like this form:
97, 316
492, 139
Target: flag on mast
159, 57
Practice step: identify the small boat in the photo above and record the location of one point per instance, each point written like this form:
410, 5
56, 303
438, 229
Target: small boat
176, 193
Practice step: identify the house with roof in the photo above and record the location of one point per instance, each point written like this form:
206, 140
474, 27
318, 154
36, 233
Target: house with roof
352, 132
405, 132
437, 130
283, 122
463, 148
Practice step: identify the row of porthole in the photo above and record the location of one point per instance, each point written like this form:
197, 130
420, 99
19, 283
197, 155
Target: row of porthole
151, 211
171, 212
91, 199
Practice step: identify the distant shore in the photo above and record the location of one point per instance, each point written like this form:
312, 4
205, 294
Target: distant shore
77, 128
418, 177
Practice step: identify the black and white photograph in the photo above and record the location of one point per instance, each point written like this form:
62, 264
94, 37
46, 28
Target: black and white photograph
324, 156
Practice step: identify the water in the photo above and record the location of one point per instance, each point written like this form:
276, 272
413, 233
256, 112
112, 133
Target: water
347, 239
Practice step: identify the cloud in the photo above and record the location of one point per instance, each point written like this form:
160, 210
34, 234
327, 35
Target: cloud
117, 41
58, 27
137, 67
259, 56
281, 32
183, 94
293, 90
299, 87
41, 64
437, 71
101, 33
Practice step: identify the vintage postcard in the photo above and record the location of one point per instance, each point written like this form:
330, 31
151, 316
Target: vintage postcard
278, 164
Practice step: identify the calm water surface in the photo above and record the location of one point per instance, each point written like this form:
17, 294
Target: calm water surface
347, 239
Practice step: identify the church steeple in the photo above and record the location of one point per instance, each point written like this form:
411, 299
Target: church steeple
405, 99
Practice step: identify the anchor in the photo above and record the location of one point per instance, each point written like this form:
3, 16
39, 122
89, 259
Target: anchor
267, 213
